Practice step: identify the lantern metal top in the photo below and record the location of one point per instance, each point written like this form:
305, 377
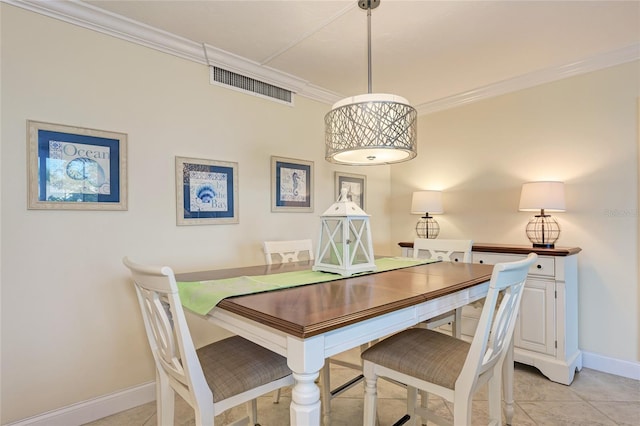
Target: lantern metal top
344, 207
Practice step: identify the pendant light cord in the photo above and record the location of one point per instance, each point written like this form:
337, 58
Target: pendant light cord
369, 45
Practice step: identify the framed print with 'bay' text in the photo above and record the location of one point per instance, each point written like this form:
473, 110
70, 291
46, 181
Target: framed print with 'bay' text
206, 191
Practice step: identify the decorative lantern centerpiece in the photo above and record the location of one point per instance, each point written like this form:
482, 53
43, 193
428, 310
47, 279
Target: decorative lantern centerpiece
345, 245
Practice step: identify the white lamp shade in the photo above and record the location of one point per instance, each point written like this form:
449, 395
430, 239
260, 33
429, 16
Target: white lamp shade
542, 195
426, 202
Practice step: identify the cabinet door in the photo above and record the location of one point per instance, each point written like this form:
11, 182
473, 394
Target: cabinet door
535, 327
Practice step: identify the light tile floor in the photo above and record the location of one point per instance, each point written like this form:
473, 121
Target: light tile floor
594, 398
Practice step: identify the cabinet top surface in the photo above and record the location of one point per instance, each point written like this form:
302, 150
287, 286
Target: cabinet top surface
515, 249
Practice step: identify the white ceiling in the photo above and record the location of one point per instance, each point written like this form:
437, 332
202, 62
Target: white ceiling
425, 51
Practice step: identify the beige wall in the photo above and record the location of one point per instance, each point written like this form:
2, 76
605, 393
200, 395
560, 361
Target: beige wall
71, 328
581, 130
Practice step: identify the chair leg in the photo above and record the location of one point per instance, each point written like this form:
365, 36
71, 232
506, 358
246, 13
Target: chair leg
204, 416
252, 408
507, 384
165, 399
462, 408
424, 403
495, 396
412, 397
370, 395
325, 392
456, 325
276, 396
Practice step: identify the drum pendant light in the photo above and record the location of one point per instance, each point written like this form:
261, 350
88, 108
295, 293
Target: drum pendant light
371, 129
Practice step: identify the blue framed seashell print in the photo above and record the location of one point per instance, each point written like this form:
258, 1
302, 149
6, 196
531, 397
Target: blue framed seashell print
206, 191
76, 168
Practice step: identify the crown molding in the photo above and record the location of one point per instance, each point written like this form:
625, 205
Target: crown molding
547, 75
96, 19
93, 18
90, 17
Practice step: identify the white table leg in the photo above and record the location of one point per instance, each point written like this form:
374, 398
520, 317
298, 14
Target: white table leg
305, 400
305, 358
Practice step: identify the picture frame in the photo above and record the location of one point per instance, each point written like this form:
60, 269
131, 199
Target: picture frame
291, 185
75, 168
206, 192
357, 186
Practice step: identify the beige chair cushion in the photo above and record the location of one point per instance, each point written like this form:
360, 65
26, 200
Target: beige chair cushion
421, 353
235, 365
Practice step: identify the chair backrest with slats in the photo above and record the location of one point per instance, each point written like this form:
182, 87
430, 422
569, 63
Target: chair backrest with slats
287, 251
167, 330
442, 249
495, 328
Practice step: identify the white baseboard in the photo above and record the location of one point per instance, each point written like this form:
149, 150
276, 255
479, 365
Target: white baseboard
93, 409
605, 364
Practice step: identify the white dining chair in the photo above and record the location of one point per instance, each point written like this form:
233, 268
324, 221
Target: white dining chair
212, 379
287, 251
452, 368
445, 251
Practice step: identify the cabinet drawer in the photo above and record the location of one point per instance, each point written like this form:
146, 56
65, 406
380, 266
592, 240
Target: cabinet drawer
544, 266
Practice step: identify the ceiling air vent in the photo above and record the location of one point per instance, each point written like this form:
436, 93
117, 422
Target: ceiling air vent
250, 85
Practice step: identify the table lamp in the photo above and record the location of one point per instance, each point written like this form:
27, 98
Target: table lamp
425, 202
542, 230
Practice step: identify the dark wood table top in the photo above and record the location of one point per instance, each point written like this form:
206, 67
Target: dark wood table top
312, 309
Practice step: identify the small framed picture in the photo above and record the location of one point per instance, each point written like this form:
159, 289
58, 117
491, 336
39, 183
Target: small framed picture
74, 168
356, 186
206, 191
291, 185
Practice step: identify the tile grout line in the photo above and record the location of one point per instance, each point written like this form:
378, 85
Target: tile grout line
588, 402
601, 412
515, 403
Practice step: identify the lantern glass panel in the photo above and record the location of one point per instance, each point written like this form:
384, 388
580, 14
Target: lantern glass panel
358, 242
331, 231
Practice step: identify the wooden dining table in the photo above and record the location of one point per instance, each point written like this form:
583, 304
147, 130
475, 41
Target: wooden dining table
310, 323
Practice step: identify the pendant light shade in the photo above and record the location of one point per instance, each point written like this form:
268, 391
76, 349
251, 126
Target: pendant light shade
371, 129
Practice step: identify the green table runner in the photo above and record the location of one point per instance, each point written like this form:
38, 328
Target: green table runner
202, 296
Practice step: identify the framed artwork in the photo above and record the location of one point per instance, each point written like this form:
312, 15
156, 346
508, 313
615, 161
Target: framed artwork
74, 168
291, 185
206, 191
356, 187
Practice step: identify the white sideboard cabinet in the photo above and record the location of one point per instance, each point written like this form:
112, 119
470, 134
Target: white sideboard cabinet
546, 334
